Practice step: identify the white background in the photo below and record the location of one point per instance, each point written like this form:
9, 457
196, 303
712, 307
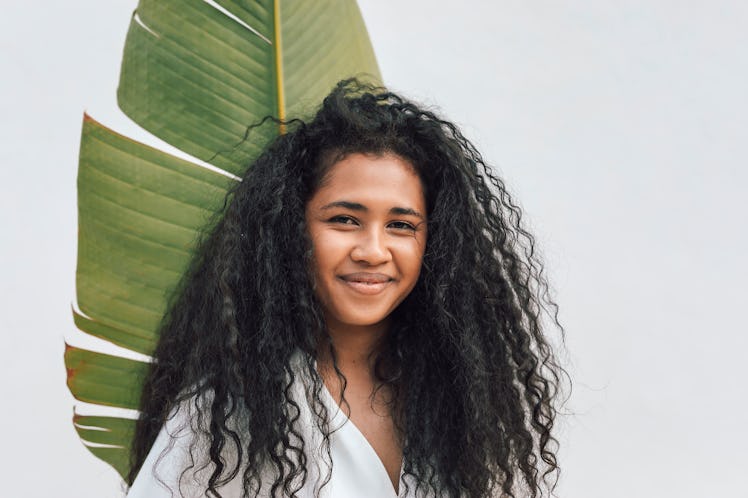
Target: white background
620, 126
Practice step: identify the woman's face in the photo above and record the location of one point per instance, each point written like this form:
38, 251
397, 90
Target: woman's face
367, 223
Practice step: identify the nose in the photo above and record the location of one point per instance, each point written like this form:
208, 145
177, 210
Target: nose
371, 248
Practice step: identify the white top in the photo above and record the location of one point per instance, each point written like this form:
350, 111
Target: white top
357, 470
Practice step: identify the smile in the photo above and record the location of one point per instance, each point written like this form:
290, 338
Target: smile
366, 283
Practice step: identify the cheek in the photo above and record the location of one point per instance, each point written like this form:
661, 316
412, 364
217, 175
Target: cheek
411, 256
327, 250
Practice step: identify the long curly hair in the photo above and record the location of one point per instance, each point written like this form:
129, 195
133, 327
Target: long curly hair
475, 378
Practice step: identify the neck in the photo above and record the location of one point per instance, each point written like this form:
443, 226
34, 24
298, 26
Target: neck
356, 346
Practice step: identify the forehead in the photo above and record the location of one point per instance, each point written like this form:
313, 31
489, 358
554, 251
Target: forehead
372, 178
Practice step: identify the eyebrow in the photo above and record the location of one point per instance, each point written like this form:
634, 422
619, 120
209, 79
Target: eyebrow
355, 206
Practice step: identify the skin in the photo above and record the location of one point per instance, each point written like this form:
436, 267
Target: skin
367, 223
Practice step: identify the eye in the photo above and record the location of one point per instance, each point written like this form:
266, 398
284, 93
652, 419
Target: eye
402, 225
343, 220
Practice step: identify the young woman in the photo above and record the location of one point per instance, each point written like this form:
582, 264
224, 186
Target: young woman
363, 321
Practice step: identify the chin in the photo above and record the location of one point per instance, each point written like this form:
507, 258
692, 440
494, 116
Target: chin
370, 319
367, 321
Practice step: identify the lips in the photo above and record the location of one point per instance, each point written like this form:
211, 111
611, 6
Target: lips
366, 277
366, 283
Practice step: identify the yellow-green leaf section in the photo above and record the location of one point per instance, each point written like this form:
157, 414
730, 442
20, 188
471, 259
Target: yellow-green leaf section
197, 73
103, 436
139, 213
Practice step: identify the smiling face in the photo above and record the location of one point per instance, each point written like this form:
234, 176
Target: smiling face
367, 224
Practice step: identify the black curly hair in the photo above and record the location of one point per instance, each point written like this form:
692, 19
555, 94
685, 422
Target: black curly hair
467, 355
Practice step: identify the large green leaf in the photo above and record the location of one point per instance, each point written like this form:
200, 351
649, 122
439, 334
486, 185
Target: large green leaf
197, 74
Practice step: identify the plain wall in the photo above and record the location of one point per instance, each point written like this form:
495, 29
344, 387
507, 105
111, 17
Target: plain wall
619, 125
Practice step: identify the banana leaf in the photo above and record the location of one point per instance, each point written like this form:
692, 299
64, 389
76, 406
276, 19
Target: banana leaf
197, 74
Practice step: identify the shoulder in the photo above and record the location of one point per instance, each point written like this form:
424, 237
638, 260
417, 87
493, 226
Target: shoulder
177, 462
